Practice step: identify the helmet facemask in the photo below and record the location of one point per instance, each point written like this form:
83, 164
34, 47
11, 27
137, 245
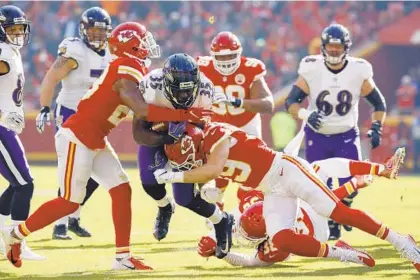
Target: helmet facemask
97, 34
17, 35
334, 56
227, 62
149, 44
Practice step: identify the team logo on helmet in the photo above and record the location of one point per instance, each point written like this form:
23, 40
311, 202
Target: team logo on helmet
186, 144
240, 79
126, 35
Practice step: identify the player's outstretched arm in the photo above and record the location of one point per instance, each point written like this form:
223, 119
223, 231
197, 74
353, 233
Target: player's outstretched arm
261, 98
132, 96
209, 171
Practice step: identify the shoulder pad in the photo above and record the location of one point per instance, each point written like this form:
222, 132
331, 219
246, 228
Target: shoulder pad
72, 47
6, 52
255, 66
308, 64
364, 68
204, 61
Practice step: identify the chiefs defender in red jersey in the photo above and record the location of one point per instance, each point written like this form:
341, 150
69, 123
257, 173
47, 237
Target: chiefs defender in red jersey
83, 150
241, 79
231, 153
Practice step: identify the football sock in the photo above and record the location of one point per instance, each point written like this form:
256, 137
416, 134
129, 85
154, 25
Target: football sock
299, 244
21, 202
121, 216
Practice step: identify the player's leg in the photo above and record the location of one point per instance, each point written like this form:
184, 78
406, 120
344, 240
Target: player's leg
150, 159
186, 196
74, 170
108, 172
312, 190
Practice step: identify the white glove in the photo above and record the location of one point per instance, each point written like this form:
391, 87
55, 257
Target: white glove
164, 176
210, 193
43, 118
13, 121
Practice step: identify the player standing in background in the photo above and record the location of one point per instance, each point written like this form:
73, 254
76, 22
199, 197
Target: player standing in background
79, 63
334, 82
178, 85
241, 79
83, 150
15, 201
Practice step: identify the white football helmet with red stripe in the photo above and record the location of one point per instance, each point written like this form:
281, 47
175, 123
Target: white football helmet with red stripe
226, 44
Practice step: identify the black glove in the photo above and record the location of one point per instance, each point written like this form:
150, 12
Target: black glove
375, 134
236, 102
315, 120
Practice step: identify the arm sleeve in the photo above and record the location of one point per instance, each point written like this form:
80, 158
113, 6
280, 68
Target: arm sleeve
238, 259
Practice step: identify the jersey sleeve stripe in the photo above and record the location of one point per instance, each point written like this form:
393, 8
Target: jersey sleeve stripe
259, 76
127, 70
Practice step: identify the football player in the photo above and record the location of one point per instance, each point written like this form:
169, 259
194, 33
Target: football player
178, 85
241, 79
250, 229
83, 150
334, 82
79, 63
231, 153
16, 199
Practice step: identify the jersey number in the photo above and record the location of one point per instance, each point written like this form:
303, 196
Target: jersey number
344, 99
17, 95
238, 171
231, 91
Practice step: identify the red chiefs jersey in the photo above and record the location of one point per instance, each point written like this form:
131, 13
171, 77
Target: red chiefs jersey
249, 157
101, 108
237, 85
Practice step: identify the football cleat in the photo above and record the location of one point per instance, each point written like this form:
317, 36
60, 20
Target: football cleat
12, 247
393, 164
409, 250
129, 263
60, 233
28, 254
74, 226
350, 254
163, 219
224, 235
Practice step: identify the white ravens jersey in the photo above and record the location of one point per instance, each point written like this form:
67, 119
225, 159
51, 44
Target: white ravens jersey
337, 95
154, 93
11, 84
90, 66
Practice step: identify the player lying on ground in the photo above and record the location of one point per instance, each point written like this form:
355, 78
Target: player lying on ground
250, 224
231, 153
83, 150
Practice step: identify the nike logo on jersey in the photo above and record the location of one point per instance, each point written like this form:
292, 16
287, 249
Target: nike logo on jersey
348, 140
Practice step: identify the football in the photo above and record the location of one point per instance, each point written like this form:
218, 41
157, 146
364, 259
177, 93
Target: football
160, 127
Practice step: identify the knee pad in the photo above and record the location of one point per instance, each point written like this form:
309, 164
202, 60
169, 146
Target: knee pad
156, 191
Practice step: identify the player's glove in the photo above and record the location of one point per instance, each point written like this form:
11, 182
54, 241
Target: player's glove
237, 102
197, 115
164, 176
43, 118
315, 120
13, 121
206, 247
375, 134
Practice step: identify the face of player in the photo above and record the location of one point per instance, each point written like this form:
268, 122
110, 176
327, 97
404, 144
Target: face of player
335, 54
97, 36
227, 64
16, 34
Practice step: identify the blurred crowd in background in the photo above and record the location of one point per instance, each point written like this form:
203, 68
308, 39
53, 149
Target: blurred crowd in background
278, 33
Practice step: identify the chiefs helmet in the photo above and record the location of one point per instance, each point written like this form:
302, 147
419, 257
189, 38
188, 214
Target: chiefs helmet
131, 39
226, 50
250, 230
249, 198
188, 152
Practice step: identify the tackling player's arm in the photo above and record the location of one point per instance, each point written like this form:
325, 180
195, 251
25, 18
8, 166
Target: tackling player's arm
59, 70
261, 98
132, 96
146, 137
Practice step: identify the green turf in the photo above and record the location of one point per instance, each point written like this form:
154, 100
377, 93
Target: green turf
395, 202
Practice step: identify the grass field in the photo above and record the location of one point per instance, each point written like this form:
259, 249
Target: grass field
395, 202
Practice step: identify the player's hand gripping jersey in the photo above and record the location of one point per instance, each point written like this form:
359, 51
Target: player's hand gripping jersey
101, 108
336, 95
238, 85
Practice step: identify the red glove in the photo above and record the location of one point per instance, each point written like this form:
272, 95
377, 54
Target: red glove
194, 115
198, 115
206, 247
